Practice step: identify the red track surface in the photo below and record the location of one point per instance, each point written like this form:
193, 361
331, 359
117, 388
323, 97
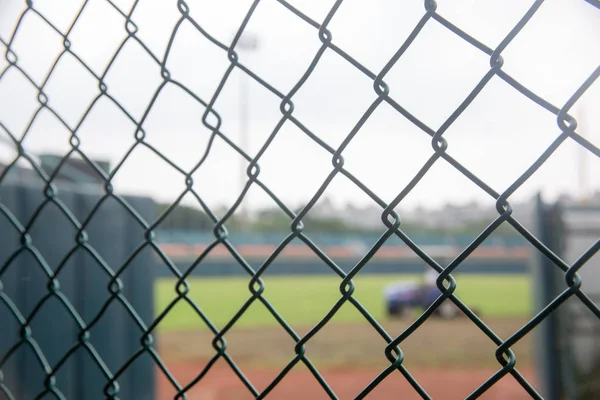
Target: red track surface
220, 383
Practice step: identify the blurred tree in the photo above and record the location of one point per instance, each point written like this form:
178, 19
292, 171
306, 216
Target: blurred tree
274, 220
184, 218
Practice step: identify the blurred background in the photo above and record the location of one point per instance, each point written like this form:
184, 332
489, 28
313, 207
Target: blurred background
151, 137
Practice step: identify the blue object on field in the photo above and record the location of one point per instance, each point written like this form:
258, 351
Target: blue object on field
403, 295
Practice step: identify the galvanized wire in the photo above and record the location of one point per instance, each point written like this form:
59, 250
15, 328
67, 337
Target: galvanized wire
211, 119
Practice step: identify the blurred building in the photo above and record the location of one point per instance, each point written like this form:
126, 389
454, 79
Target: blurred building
447, 217
72, 171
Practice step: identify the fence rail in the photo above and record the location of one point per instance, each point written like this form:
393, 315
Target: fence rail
211, 119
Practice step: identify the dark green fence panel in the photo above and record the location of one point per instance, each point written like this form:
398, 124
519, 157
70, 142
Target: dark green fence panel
9, 325
84, 284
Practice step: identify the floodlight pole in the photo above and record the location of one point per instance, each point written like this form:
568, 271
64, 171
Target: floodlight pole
247, 42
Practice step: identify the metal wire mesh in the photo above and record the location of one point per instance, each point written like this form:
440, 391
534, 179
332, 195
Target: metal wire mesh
212, 120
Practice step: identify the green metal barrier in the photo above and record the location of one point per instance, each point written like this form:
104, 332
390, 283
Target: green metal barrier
54, 287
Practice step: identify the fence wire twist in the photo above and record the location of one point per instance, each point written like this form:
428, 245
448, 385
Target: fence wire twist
212, 120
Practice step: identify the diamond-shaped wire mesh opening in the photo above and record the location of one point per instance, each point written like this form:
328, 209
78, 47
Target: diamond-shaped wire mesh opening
497, 122
361, 342
47, 126
184, 69
95, 271
243, 99
397, 147
106, 133
442, 79
155, 21
229, 162
273, 51
97, 16
523, 58
50, 214
71, 90
371, 47
271, 348
281, 162
18, 91
306, 309
134, 68
32, 30
165, 119
350, 93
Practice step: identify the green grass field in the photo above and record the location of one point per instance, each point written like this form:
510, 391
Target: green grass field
304, 300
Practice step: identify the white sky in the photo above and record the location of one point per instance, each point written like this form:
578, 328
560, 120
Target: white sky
498, 137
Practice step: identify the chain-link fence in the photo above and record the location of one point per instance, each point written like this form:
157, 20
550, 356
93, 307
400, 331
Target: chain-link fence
212, 120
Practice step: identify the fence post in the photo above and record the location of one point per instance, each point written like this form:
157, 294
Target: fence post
545, 277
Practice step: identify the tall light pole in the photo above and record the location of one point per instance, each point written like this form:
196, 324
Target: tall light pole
247, 43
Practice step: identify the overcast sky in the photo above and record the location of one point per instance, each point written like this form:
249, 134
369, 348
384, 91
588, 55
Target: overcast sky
498, 136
